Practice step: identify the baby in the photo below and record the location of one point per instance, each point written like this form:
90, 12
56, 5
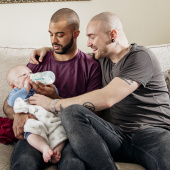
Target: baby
45, 134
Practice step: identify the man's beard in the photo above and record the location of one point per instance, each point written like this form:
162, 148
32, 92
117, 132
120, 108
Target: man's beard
64, 49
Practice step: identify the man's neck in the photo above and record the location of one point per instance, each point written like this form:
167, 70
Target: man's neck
65, 57
119, 53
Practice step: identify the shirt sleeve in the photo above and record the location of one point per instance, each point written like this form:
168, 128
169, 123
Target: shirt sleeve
137, 67
32, 67
14, 94
95, 80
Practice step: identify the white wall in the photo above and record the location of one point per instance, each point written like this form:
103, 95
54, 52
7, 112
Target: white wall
146, 22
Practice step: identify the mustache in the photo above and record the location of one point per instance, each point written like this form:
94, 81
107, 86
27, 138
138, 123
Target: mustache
56, 44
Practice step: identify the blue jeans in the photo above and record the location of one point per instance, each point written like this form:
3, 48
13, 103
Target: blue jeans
99, 143
25, 157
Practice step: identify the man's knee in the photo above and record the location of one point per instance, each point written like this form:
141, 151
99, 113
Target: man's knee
70, 112
25, 157
23, 162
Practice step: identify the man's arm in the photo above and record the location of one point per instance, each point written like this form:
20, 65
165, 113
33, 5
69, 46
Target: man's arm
103, 98
8, 110
50, 92
96, 100
46, 90
19, 120
41, 52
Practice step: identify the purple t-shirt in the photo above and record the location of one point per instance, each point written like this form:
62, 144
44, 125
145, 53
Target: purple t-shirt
74, 77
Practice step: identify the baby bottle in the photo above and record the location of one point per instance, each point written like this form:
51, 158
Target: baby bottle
46, 77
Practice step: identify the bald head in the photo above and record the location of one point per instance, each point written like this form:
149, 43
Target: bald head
16, 72
66, 14
11, 74
109, 21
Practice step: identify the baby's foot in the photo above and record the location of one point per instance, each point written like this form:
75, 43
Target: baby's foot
47, 153
56, 156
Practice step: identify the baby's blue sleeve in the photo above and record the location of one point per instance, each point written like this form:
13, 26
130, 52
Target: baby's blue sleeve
15, 93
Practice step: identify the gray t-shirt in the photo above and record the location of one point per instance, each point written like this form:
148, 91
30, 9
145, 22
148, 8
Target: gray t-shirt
148, 106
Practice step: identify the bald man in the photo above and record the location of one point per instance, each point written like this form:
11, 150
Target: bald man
134, 91
76, 73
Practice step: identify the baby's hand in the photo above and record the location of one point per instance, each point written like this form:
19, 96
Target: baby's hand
27, 85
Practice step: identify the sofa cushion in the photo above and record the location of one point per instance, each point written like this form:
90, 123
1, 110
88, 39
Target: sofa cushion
162, 52
6, 151
120, 166
10, 57
167, 78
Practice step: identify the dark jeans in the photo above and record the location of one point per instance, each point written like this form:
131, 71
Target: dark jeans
25, 157
95, 141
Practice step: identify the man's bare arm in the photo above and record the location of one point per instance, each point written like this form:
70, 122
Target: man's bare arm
103, 98
97, 100
8, 110
46, 90
19, 119
91, 107
41, 52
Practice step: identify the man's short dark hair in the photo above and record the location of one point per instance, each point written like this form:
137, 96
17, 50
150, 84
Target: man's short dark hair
69, 15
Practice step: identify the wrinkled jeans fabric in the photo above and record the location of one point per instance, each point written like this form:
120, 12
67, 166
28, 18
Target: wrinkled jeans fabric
25, 157
96, 142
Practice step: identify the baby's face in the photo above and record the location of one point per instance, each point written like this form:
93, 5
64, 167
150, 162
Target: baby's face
22, 73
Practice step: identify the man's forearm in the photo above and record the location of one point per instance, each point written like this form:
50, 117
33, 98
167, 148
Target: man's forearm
87, 100
8, 110
101, 99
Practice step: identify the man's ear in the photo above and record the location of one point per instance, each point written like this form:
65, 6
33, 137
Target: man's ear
76, 33
113, 34
12, 86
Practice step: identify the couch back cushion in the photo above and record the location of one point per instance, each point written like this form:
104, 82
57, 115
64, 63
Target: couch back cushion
162, 52
10, 57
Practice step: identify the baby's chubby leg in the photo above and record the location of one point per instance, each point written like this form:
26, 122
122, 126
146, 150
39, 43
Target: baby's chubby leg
47, 153
39, 143
57, 152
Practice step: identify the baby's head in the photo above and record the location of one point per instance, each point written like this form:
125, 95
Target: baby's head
17, 76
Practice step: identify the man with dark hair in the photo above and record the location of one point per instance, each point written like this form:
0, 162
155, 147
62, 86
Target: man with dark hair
76, 73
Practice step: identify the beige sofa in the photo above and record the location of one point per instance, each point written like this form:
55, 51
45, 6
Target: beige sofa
14, 56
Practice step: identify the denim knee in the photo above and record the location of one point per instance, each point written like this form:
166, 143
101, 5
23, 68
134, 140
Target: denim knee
26, 157
70, 112
71, 116
24, 162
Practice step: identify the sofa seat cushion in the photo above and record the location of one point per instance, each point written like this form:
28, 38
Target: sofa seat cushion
6, 151
120, 166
